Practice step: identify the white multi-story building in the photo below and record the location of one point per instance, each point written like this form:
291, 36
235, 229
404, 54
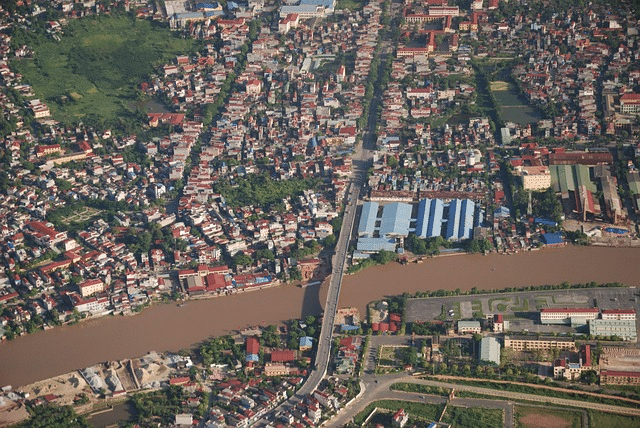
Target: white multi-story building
568, 315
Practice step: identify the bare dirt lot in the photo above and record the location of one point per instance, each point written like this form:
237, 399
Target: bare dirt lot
544, 421
535, 417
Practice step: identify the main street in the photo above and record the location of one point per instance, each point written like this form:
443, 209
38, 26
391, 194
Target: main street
361, 160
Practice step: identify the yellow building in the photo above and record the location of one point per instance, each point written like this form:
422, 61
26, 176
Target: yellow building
535, 177
529, 343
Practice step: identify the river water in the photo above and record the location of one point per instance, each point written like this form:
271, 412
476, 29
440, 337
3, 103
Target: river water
168, 327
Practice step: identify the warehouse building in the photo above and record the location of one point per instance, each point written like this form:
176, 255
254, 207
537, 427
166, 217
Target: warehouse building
395, 221
429, 223
368, 219
490, 350
460, 222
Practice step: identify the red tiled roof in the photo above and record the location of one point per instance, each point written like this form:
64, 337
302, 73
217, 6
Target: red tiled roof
569, 310
283, 356
620, 374
630, 98
253, 346
618, 311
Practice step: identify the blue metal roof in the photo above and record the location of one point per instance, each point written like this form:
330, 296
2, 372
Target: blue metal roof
423, 218
368, 218
502, 212
213, 5
454, 219
376, 244
395, 219
551, 238
545, 222
429, 222
306, 341
252, 357
466, 219
435, 218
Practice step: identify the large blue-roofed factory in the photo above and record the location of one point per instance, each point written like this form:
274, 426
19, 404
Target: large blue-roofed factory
382, 226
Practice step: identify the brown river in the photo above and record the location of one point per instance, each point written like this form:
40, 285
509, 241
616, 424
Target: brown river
168, 327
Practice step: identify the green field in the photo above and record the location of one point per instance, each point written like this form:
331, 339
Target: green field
474, 417
94, 69
601, 419
429, 412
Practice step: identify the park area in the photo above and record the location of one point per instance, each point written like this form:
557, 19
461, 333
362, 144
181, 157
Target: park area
391, 356
94, 70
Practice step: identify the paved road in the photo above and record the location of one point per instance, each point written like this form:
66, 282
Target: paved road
361, 160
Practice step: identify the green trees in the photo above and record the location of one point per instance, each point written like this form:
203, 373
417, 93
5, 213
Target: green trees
408, 355
295, 274
265, 254
242, 259
478, 245
261, 190
330, 241
138, 242
384, 257
50, 415
211, 352
270, 337
429, 246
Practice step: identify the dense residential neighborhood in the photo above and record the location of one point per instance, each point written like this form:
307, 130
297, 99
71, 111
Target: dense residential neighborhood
220, 155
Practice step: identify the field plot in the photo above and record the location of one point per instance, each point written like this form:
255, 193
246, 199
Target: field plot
609, 420
539, 417
94, 69
476, 417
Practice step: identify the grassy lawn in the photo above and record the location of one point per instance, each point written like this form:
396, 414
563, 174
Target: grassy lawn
351, 5
424, 389
601, 419
97, 65
502, 307
532, 417
474, 417
477, 309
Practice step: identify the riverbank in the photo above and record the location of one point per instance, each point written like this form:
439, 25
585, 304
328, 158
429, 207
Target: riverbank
168, 327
